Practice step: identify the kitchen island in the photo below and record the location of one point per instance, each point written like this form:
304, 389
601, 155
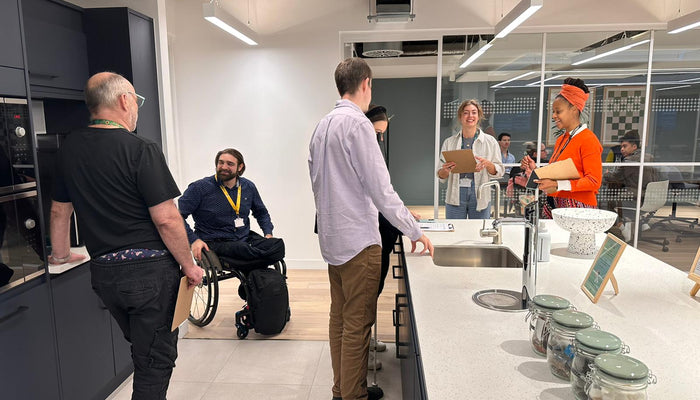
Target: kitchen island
470, 352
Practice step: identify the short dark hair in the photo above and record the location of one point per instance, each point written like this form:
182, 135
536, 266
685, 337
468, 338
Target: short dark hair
632, 137
350, 73
502, 135
236, 154
376, 113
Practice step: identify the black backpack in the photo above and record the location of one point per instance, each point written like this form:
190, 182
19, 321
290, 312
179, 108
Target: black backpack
268, 299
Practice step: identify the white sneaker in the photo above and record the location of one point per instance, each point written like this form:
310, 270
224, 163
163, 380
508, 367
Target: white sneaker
370, 363
381, 346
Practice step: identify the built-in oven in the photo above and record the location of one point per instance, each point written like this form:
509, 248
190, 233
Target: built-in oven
21, 247
16, 150
21, 244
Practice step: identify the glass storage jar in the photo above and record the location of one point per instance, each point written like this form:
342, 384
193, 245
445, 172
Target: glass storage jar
618, 377
588, 343
541, 308
560, 344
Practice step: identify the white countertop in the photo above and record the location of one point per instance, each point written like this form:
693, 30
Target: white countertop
470, 352
61, 268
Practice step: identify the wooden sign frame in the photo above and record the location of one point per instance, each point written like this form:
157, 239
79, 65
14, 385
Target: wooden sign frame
694, 273
602, 268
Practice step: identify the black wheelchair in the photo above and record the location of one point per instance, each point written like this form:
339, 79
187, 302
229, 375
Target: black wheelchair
216, 269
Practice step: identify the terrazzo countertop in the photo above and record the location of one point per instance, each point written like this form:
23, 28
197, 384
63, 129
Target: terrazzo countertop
470, 352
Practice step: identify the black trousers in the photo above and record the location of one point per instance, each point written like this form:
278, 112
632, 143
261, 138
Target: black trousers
141, 297
252, 248
389, 236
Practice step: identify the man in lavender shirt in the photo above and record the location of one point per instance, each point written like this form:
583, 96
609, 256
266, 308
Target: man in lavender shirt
351, 184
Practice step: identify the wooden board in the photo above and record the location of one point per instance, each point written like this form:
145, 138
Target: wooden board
602, 269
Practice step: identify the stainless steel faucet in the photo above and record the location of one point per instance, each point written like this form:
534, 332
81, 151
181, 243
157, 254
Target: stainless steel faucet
530, 221
496, 232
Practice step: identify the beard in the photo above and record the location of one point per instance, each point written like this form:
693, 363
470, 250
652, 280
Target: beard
225, 175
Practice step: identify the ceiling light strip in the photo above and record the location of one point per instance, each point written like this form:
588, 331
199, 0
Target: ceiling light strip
521, 12
228, 23
482, 49
597, 55
683, 23
513, 79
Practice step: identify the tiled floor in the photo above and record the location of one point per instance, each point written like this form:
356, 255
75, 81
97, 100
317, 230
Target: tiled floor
261, 369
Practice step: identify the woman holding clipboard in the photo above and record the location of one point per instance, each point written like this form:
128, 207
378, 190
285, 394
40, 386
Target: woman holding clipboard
463, 199
579, 144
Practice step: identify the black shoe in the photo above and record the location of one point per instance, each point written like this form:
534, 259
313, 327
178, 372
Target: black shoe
337, 398
374, 393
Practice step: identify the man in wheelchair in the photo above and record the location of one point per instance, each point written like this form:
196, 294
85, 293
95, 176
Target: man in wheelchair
220, 206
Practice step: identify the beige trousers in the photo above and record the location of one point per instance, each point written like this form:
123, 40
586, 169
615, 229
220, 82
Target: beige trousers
354, 287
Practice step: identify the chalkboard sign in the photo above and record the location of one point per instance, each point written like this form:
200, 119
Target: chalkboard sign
602, 268
694, 273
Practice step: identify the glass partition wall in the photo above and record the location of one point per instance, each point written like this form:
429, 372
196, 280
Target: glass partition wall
643, 107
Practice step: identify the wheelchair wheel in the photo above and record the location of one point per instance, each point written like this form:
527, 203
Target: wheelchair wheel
206, 295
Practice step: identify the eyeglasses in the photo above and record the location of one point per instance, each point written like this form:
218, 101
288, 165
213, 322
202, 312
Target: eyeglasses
139, 99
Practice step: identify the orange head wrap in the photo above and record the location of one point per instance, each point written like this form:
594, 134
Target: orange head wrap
576, 96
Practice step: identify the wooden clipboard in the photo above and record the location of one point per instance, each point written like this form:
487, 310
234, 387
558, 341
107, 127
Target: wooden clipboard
183, 304
560, 170
463, 158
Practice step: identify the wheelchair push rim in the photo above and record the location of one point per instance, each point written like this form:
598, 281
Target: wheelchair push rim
206, 295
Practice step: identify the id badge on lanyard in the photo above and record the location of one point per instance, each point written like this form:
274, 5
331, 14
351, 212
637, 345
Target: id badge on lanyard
238, 222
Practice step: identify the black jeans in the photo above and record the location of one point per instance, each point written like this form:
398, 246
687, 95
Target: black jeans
141, 295
253, 252
389, 236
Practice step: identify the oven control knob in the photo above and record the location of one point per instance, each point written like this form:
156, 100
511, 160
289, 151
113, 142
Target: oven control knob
29, 223
20, 132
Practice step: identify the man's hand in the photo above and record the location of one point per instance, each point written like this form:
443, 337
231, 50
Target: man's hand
194, 274
72, 257
427, 245
548, 186
268, 236
197, 247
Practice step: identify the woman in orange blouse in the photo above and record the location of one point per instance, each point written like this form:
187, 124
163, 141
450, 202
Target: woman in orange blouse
579, 144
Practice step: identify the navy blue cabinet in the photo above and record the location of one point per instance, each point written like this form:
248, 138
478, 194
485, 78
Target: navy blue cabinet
83, 334
27, 351
11, 34
12, 81
56, 49
407, 348
130, 38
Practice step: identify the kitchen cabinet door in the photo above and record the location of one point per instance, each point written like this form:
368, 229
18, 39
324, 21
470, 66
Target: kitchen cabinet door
56, 49
27, 346
11, 34
84, 335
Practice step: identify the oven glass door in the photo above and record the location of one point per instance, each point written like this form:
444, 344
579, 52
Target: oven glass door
21, 246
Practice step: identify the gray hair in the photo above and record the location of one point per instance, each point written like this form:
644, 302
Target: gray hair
104, 92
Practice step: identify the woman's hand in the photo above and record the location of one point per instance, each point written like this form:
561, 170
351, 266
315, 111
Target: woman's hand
527, 164
446, 169
548, 186
482, 163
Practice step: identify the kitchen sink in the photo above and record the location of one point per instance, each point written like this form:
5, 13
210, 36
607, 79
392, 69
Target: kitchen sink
491, 256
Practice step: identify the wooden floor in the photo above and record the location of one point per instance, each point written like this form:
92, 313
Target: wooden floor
309, 300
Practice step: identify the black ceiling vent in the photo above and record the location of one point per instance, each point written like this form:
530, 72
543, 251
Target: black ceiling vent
393, 6
390, 10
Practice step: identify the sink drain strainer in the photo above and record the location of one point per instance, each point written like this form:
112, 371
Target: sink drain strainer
500, 300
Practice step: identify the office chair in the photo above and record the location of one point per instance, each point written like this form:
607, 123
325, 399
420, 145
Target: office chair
654, 198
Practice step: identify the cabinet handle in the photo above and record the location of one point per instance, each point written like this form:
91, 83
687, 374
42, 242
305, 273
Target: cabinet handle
393, 272
9, 316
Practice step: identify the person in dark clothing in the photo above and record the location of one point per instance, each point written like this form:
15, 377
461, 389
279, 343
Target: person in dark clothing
220, 206
122, 192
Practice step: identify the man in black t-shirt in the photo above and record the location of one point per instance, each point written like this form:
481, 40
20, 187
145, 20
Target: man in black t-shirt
123, 192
